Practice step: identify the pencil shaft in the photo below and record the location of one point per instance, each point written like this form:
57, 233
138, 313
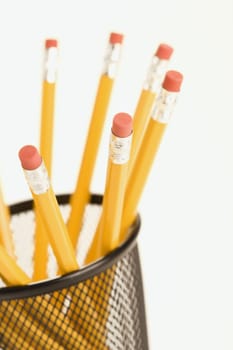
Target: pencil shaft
49, 315
107, 234
160, 117
47, 124
81, 195
15, 314
11, 335
139, 175
94, 251
140, 120
10, 271
40, 258
112, 211
39, 312
6, 237
48, 208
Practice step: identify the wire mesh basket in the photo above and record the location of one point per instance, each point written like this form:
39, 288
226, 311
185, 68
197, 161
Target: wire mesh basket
101, 306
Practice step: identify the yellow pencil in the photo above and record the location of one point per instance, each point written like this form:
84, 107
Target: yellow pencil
107, 234
47, 206
147, 97
13, 275
19, 323
149, 147
30, 315
11, 337
49, 211
6, 237
10, 271
81, 195
48, 102
40, 258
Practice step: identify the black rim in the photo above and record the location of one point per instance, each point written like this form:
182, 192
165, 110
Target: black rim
75, 277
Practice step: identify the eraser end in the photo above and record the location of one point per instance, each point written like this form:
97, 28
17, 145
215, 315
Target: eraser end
122, 125
30, 157
50, 43
172, 81
164, 51
116, 38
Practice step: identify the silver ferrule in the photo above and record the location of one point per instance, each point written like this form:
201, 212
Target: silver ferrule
164, 106
155, 74
51, 64
38, 179
111, 59
119, 149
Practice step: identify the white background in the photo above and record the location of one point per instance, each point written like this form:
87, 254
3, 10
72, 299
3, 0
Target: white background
186, 240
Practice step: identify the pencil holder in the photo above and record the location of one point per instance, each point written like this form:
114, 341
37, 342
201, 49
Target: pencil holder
101, 306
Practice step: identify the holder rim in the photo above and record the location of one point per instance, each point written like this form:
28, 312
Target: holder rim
84, 273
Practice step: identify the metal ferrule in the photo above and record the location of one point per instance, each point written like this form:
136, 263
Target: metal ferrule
155, 75
111, 59
38, 179
119, 149
51, 64
164, 106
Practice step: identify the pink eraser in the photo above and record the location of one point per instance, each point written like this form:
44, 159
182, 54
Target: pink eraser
50, 43
116, 38
172, 81
164, 52
30, 157
122, 125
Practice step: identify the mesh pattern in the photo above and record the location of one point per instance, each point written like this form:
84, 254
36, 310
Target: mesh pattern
103, 310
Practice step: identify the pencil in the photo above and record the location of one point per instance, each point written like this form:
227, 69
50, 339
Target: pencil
50, 214
50, 314
11, 337
152, 85
38, 329
40, 258
6, 237
48, 208
48, 102
49, 211
106, 236
13, 275
151, 141
10, 271
37, 313
81, 194
108, 230
19, 324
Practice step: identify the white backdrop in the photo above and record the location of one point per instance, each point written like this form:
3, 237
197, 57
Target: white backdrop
186, 240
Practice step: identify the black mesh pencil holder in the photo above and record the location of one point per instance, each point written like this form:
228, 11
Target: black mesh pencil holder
101, 306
